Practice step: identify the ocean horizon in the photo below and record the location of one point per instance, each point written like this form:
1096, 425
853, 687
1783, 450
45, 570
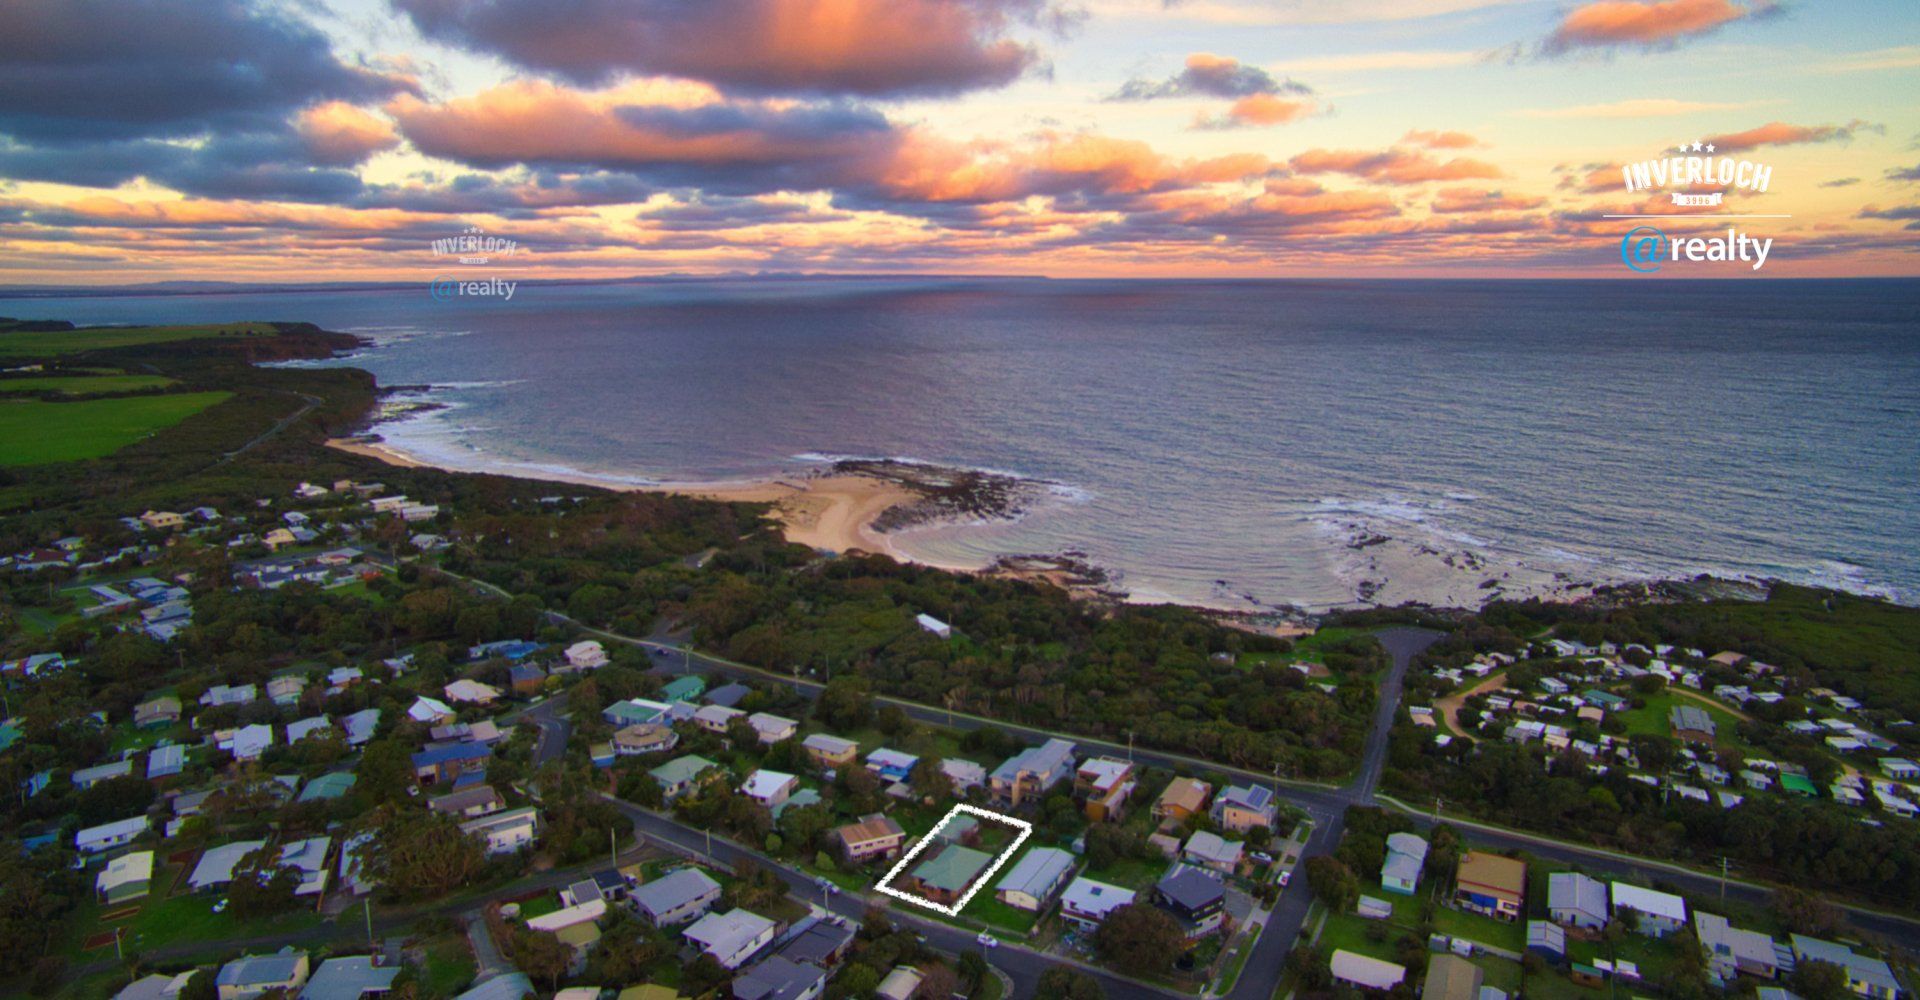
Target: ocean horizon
1239, 444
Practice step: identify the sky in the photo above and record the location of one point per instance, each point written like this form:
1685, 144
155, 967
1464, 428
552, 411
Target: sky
336, 140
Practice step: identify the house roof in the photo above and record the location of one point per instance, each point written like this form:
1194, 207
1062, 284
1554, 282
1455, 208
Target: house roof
777, 978
131, 826
818, 943
1210, 846
1372, 973
165, 760
665, 893
1037, 872
1186, 793
953, 868
1492, 871
348, 979
1049, 758
125, 870
681, 769
441, 753
1650, 902
252, 970
1574, 891
327, 786
1860, 968
727, 933
507, 986
765, 784
1257, 798
1406, 855
1096, 899
871, 827
828, 744
1450, 977
465, 799
1190, 888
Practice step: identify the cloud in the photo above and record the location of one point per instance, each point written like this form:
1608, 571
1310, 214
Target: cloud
1647, 23
1904, 173
871, 48
1876, 60
1840, 182
1391, 166
1258, 110
1463, 200
1643, 107
1209, 75
1440, 140
1392, 60
1289, 12
338, 134
1783, 134
1909, 214
80, 71
252, 165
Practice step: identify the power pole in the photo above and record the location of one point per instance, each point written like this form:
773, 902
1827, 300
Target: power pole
369, 912
613, 848
1724, 863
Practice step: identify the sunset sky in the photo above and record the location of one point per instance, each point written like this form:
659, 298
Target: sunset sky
335, 140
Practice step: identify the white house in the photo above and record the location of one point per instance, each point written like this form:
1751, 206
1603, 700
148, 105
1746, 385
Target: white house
1087, 902
731, 937
587, 654
769, 788
1660, 913
505, 832
108, 836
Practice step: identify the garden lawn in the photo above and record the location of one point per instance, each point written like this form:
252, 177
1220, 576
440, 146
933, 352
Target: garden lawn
38, 432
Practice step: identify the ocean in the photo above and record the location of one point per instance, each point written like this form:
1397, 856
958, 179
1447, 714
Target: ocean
1237, 444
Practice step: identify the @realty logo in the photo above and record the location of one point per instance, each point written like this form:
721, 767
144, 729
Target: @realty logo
474, 247
1696, 178
1645, 248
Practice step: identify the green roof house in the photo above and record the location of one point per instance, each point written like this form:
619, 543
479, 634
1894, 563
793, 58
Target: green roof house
684, 688
1797, 784
681, 775
946, 876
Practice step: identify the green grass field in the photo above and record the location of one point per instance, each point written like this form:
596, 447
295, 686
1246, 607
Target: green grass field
38, 432
84, 385
53, 344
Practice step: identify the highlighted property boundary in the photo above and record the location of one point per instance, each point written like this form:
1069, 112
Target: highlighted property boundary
1025, 828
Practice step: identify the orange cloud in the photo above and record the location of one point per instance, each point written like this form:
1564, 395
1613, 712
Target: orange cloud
1259, 110
1783, 134
1458, 200
339, 134
1392, 166
1440, 140
1647, 22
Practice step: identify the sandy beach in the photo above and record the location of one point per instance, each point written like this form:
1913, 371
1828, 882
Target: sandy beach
834, 512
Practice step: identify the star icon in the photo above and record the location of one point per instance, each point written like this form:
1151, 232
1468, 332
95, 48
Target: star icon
1683, 147
1709, 147
1696, 146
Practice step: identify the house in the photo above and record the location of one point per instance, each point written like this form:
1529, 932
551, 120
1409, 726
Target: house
166, 520
780, 978
636, 712
964, 774
1030, 773
126, 877
285, 690
526, 679
155, 987
108, 836
249, 742
1899, 768
1103, 785
728, 695
1035, 878
1490, 885
1196, 901
732, 937
500, 986
224, 694
1547, 939
350, 978
252, 975
716, 718
875, 836
1658, 913
505, 832
429, 710
327, 787
1087, 903
818, 942
900, 984
445, 763
830, 752
471, 802
677, 897
1450, 977
944, 878
1365, 973
215, 867
159, 713
165, 761
1210, 850
87, 777
1242, 807
315, 726
1574, 900
1406, 859
681, 775
1691, 724
1181, 798
308, 859
1868, 977
769, 788
934, 625
772, 728
587, 654
891, 765
471, 692
688, 687
1734, 952
361, 725
648, 737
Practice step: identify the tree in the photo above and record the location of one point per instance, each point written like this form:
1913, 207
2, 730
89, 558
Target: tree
200, 986
385, 772
261, 886
1139, 938
845, 703
1819, 981
1332, 882
1067, 983
929, 781
538, 954
424, 853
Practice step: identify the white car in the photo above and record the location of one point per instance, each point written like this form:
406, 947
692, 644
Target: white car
986, 940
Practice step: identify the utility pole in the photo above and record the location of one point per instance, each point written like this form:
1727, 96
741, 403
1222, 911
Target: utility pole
116, 946
613, 848
1724, 863
1437, 802
368, 908
1129, 746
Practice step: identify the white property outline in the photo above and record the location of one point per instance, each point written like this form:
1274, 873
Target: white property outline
1025, 828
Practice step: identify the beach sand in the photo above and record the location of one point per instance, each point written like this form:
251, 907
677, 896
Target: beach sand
830, 512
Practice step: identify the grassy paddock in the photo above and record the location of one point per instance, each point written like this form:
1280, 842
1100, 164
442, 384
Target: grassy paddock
37, 432
47, 344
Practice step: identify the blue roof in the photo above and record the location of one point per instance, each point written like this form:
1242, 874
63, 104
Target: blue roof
443, 752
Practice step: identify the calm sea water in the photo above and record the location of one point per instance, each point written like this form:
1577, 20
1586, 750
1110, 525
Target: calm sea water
1216, 442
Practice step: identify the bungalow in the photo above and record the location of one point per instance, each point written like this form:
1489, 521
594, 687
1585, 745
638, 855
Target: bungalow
165, 761
1031, 773
1899, 768
964, 774
769, 788
944, 878
87, 777
445, 763
780, 978
1103, 785
249, 742
316, 726
732, 937
250, 976
429, 710
772, 728
164, 520
360, 726
1868, 977
1658, 914
1210, 850
1450, 977
648, 737
155, 987
636, 712
1606, 701
224, 694
215, 868
1034, 880
682, 775
587, 654
526, 679
1734, 952
891, 765
1181, 798
471, 692
1574, 900
351, 978
685, 688
1490, 885
1242, 807
308, 858
1197, 902
1691, 724
677, 897
936, 626
1406, 859
126, 877
471, 802
158, 713
716, 718
505, 832
1087, 903
327, 787
1365, 973
108, 836
875, 836
830, 752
